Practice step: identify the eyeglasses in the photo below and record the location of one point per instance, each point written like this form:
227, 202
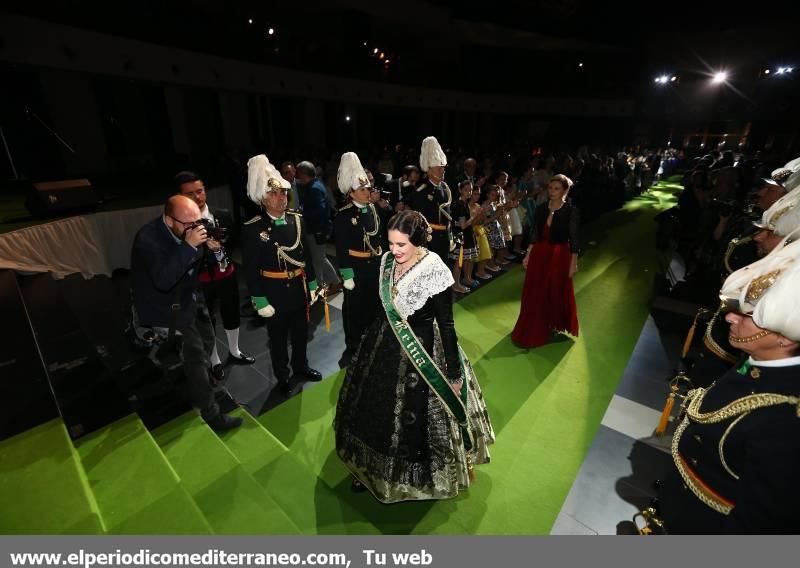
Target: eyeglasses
189, 224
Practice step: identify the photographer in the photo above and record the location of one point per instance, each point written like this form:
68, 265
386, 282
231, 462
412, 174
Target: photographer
164, 267
217, 272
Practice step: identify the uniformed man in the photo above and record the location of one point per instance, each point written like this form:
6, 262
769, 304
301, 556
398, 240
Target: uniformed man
358, 253
778, 224
737, 447
742, 246
433, 197
278, 270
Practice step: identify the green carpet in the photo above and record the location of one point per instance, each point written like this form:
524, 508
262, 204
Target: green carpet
136, 489
229, 498
546, 403
43, 489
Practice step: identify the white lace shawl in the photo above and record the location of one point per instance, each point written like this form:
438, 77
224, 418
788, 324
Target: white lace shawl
424, 280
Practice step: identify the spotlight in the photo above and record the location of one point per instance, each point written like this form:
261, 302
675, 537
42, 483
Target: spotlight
674, 78
375, 51
250, 21
781, 70
386, 62
720, 77
580, 64
381, 56
789, 69
347, 118
766, 71
365, 44
271, 31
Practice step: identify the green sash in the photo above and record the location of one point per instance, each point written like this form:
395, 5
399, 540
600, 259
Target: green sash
422, 361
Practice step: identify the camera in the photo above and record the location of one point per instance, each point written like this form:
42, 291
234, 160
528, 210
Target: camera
213, 232
381, 183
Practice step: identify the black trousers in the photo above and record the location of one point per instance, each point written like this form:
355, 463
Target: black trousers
283, 327
362, 304
224, 292
197, 343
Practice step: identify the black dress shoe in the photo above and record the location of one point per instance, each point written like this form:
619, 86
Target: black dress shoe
242, 359
223, 422
309, 374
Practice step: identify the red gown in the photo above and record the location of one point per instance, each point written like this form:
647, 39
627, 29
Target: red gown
548, 298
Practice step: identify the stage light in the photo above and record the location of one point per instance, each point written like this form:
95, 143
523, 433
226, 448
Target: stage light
789, 69
781, 71
386, 62
766, 71
381, 56
375, 51
580, 64
674, 78
271, 31
347, 118
719, 77
250, 21
365, 44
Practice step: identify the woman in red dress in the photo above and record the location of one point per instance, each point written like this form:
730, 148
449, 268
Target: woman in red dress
548, 298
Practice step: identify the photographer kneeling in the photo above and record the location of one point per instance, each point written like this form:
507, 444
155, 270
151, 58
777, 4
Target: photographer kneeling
164, 269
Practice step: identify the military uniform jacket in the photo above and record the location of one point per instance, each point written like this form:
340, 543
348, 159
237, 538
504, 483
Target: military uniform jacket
268, 245
433, 202
358, 229
740, 470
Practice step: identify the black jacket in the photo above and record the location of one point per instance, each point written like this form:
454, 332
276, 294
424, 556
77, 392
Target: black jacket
260, 235
159, 264
762, 449
564, 228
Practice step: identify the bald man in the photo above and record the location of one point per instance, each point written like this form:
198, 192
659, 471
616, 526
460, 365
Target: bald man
164, 267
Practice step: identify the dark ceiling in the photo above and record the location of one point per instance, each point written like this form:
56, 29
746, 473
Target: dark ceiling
546, 47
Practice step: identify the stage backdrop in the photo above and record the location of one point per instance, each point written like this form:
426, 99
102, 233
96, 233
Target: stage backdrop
89, 244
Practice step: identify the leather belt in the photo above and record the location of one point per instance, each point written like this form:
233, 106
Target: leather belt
360, 253
438, 227
287, 275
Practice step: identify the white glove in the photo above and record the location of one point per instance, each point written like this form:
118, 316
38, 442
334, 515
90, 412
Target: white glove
267, 312
314, 295
349, 284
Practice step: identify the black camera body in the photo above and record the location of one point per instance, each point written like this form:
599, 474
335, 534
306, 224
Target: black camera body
213, 232
381, 183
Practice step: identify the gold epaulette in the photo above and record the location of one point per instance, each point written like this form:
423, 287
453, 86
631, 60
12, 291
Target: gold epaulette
294, 212
253, 220
348, 206
423, 186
